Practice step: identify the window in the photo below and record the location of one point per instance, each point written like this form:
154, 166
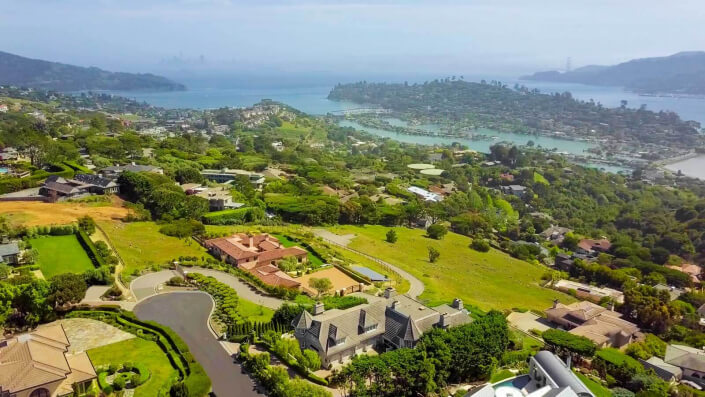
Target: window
370, 328
40, 393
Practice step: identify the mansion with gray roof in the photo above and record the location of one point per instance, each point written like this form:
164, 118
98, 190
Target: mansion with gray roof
392, 321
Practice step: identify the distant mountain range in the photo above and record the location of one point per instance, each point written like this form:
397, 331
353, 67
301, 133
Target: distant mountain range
682, 73
34, 73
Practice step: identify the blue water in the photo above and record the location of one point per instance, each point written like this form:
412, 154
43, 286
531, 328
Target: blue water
483, 146
310, 100
4, 170
308, 93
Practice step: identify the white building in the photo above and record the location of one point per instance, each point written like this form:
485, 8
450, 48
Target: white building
425, 194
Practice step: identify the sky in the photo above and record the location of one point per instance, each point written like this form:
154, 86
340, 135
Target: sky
443, 37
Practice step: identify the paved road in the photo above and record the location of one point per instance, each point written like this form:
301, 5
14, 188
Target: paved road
146, 286
244, 290
187, 314
416, 287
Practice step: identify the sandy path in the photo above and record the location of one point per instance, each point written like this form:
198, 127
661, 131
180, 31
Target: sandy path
32, 213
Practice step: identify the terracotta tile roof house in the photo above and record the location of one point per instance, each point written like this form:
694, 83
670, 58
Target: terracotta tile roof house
37, 364
603, 326
393, 322
257, 254
589, 246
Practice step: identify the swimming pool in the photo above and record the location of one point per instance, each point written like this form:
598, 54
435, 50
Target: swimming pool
4, 170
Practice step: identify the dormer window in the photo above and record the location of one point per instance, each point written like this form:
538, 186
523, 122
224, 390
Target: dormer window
369, 328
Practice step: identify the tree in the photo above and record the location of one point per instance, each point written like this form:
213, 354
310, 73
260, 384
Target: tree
480, 245
320, 284
87, 224
286, 314
310, 360
392, 236
67, 288
179, 389
564, 343
433, 254
5, 271
436, 231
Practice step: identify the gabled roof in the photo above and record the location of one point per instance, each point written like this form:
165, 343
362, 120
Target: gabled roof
9, 249
685, 357
95, 180
37, 358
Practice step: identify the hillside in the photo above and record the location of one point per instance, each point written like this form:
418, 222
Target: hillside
34, 73
681, 73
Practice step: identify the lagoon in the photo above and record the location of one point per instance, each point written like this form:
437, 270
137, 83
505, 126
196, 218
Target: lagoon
483, 146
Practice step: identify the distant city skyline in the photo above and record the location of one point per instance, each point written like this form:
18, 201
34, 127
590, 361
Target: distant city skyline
348, 37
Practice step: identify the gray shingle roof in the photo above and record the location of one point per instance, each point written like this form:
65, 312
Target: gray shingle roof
9, 249
685, 357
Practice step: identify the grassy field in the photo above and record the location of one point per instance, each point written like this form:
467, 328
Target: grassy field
137, 350
141, 245
61, 254
491, 280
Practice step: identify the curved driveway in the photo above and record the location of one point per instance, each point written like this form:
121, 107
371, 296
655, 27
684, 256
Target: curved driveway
187, 314
147, 285
416, 287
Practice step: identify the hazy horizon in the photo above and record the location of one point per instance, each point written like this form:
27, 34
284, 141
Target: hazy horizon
347, 38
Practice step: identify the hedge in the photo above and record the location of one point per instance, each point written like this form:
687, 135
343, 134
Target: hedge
565, 340
300, 369
77, 167
176, 350
102, 380
8, 185
225, 297
90, 249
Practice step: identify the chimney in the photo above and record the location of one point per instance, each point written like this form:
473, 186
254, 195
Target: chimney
389, 292
251, 241
612, 306
443, 320
568, 361
555, 303
395, 305
318, 308
457, 304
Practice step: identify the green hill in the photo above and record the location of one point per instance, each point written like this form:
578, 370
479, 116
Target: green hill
34, 73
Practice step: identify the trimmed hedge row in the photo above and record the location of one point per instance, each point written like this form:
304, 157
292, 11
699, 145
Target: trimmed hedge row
77, 167
90, 249
225, 297
176, 350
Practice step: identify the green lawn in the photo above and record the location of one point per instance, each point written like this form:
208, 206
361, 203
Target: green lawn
137, 350
61, 254
491, 280
253, 311
501, 375
313, 259
141, 245
597, 389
